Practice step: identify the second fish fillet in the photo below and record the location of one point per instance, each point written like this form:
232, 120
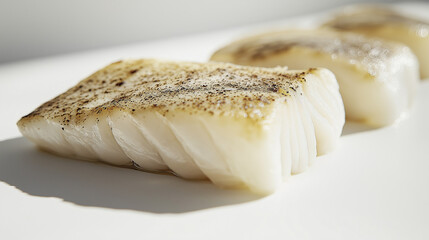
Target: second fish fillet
377, 78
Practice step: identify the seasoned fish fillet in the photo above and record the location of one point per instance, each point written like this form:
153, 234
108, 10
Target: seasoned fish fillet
376, 21
377, 78
237, 126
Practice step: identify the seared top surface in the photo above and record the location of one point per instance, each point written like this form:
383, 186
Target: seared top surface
371, 54
374, 17
140, 85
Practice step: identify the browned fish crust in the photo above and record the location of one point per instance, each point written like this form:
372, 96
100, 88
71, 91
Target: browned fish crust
368, 53
147, 84
348, 45
374, 17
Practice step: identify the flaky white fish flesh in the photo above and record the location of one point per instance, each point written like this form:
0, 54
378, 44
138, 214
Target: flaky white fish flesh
237, 126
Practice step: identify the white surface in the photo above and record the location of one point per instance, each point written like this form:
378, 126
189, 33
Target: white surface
375, 186
40, 28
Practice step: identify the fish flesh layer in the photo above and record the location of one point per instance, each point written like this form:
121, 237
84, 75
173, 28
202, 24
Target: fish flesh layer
378, 21
377, 78
237, 126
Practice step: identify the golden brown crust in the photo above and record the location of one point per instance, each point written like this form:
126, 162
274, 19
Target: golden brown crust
348, 45
136, 85
374, 17
368, 53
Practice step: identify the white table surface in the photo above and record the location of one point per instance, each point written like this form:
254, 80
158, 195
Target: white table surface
374, 186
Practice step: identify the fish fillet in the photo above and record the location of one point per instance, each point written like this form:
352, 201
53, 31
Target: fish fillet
377, 21
377, 78
237, 126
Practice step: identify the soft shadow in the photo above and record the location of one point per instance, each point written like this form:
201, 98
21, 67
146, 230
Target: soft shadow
355, 127
94, 184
